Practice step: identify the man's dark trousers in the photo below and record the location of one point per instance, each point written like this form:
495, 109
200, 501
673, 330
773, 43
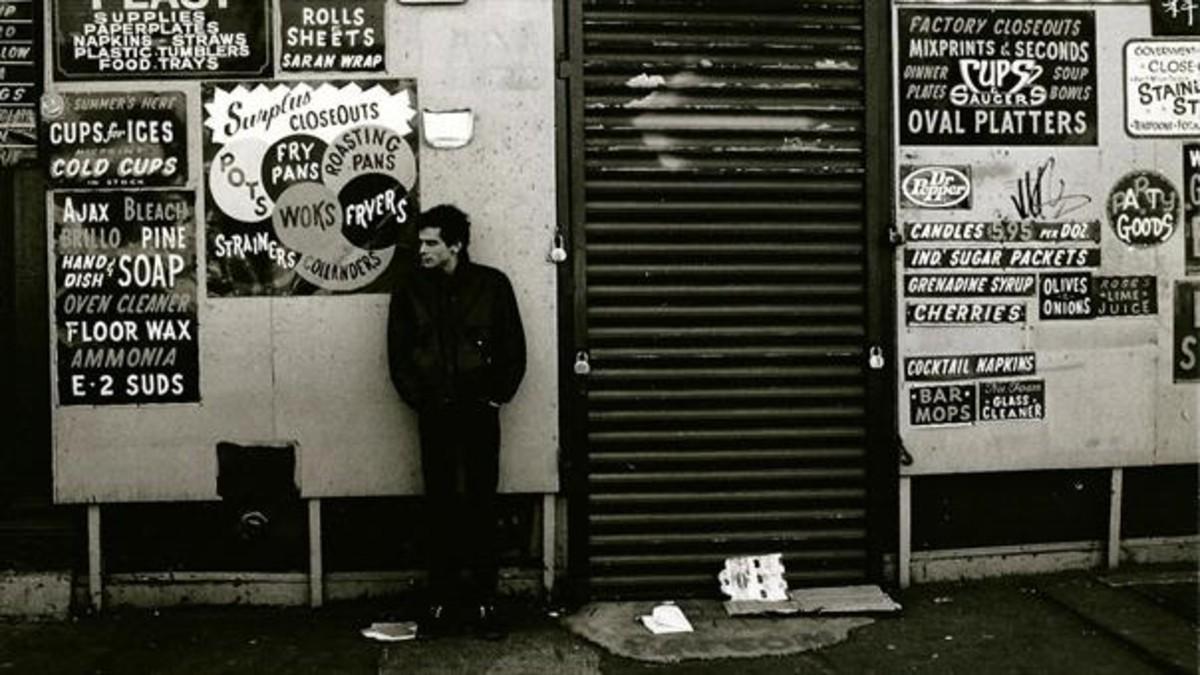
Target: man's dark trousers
460, 453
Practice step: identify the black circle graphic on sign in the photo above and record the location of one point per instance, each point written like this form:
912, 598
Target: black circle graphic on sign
374, 207
1143, 209
291, 160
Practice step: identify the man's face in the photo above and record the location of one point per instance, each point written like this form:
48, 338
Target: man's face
435, 254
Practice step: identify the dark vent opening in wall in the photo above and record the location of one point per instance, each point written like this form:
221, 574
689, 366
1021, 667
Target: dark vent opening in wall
1161, 501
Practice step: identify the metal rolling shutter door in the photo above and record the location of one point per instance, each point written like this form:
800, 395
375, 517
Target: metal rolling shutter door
723, 179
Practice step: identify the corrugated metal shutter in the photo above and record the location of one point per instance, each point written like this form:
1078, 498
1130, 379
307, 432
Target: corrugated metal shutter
723, 274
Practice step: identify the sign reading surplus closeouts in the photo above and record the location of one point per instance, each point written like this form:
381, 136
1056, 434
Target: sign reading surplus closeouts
311, 187
152, 39
997, 77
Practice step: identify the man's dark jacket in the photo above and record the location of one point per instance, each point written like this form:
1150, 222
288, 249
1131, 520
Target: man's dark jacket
455, 337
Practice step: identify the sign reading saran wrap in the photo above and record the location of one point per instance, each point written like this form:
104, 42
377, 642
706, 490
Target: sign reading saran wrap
311, 187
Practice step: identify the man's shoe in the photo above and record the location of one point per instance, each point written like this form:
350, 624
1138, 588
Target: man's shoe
435, 623
488, 624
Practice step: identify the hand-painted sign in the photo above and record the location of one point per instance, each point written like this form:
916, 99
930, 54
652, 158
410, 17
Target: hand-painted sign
1009, 231
1065, 296
968, 285
935, 187
1015, 400
941, 405
996, 77
1125, 296
1175, 17
1162, 88
20, 79
997, 258
125, 297
963, 313
968, 366
112, 139
1143, 209
1187, 331
311, 187
332, 35
139, 39
1191, 207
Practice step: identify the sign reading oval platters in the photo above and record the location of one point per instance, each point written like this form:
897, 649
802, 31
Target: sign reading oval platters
935, 187
1143, 209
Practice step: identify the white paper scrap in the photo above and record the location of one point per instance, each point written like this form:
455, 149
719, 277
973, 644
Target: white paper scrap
665, 619
391, 632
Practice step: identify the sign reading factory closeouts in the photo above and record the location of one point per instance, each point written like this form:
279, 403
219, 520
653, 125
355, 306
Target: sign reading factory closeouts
996, 77
151, 39
125, 297
1143, 209
935, 187
311, 187
1162, 88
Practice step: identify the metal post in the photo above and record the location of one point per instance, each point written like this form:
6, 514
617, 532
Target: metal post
316, 586
95, 589
1114, 518
548, 540
905, 531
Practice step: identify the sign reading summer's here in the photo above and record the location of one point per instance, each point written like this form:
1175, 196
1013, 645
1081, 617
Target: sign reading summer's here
311, 188
125, 297
332, 35
113, 139
996, 77
152, 39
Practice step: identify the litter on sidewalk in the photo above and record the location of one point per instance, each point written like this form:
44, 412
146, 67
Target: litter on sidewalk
665, 619
865, 599
391, 631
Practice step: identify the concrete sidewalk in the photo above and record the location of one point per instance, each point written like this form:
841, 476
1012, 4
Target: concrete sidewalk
1139, 621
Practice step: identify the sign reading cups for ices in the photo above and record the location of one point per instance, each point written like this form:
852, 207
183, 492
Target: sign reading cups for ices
968, 366
1143, 209
311, 188
941, 405
125, 297
112, 139
1187, 331
1125, 296
1191, 207
154, 39
1162, 88
332, 35
1175, 17
21, 76
1009, 401
935, 187
1065, 296
996, 77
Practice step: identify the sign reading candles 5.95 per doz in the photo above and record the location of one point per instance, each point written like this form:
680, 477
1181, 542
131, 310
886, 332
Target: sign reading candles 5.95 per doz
125, 297
152, 39
311, 187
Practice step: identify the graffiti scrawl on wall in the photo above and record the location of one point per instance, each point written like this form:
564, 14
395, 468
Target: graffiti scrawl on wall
311, 187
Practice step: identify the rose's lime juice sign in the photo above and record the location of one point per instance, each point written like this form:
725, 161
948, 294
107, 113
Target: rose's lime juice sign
311, 187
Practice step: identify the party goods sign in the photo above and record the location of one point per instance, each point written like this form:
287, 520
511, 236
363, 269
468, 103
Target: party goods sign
311, 187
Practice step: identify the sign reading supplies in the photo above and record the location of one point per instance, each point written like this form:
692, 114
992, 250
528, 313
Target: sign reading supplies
125, 297
1162, 88
332, 35
111, 139
311, 188
996, 77
153, 39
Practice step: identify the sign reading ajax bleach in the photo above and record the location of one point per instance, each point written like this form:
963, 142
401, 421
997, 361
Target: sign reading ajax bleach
935, 187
